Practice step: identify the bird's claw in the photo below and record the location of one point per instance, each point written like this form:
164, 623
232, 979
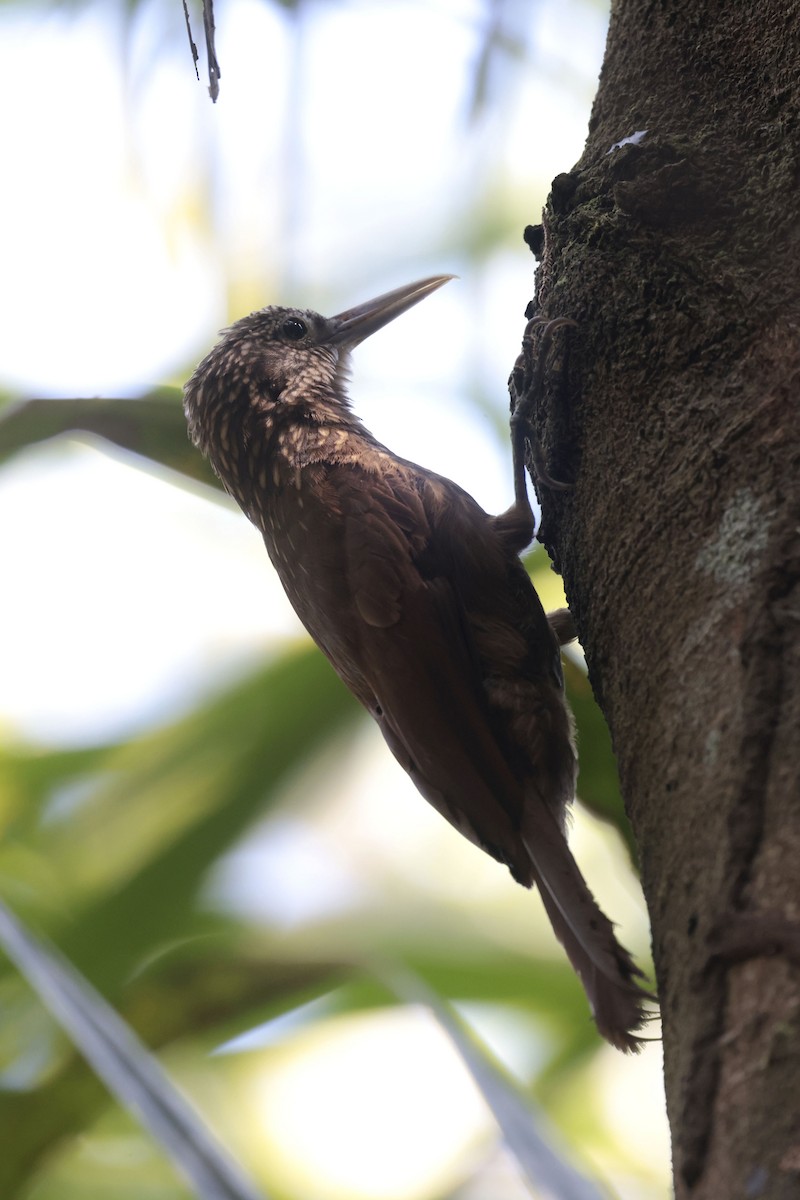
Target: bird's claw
525, 385
522, 429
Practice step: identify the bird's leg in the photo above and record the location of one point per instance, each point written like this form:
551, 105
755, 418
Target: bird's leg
516, 526
526, 384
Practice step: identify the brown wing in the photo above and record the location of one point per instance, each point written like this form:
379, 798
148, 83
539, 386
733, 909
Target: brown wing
418, 668
416, 652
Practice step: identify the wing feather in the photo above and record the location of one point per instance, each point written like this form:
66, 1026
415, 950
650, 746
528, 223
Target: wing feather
417, 651
439, 681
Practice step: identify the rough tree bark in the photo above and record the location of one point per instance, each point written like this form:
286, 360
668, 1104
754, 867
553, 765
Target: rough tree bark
674, 410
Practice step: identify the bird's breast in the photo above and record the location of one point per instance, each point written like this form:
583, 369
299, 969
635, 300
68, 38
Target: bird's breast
303, 533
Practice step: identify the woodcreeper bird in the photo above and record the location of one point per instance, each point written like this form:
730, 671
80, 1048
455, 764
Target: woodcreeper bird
420, 601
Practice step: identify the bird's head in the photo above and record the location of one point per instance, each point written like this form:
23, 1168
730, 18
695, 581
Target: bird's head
284, 357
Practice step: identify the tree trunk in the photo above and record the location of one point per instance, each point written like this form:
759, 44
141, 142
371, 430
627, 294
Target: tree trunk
673, 409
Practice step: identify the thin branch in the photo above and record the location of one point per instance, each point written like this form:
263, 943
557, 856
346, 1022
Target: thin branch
192, 44
214, 73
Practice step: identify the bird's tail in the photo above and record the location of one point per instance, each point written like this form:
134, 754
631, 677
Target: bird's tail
604, 967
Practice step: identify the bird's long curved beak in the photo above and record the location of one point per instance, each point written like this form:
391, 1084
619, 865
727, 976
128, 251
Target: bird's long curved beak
352, 326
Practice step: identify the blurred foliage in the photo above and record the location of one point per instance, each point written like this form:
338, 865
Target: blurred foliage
111, 852
152, 426
109, 849
119, 1058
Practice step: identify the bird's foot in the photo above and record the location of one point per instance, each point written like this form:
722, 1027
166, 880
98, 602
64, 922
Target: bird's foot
525, 386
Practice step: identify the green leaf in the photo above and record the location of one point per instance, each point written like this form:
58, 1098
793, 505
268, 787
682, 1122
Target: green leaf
127, 1069
209, 990
525, 1133
152, 426
196, 787
131, 855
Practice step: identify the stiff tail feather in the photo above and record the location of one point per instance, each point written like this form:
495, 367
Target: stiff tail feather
604, 967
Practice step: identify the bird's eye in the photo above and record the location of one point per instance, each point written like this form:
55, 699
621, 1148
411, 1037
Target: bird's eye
294, 328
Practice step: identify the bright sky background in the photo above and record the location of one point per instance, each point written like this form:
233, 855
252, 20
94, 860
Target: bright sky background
136, 219
117, 274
